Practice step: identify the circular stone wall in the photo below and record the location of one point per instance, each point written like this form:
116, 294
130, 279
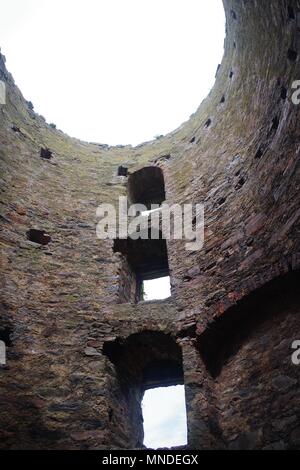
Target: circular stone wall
239, 155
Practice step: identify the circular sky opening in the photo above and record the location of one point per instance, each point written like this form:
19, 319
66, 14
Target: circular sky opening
113, 71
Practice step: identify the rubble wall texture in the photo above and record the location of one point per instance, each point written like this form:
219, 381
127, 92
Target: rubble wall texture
239, 154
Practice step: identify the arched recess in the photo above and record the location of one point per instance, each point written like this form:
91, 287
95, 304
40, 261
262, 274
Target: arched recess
144, 360
147, 186
248, 353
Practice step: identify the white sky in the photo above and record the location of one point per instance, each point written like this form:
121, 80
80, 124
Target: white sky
113, 71
164, 417
118, 72
157, 289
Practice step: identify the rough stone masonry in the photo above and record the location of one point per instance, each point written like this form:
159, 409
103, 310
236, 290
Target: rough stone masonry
81, 348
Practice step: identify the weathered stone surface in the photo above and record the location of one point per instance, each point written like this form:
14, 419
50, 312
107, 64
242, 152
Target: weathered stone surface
247, 441
91, 352
283, 383
295, 438
280, 445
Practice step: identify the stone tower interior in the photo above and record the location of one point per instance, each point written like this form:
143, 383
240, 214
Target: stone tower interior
82, 347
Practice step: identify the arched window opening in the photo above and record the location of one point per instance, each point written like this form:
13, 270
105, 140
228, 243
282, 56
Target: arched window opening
145, 362
146, 186
142, 263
